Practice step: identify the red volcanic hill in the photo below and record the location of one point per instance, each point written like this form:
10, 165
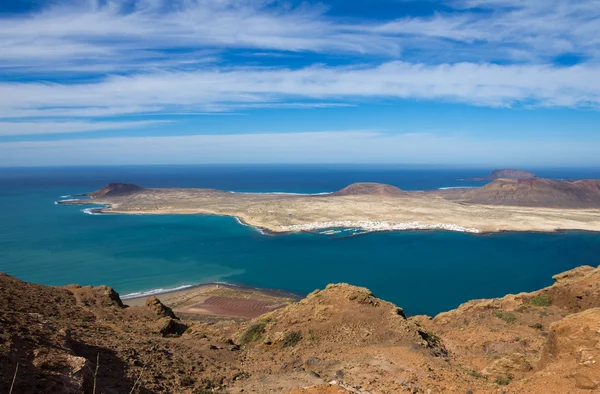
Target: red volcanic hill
116, 189
369, 189
537, 192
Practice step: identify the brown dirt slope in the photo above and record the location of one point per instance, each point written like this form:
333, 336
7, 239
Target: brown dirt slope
338, 340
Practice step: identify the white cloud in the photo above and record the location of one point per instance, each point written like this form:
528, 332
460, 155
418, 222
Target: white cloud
219, 90
119, 36
309, 147
83, 35
52, 127
505, 29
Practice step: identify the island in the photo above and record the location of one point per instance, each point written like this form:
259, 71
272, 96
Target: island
505, 204
506, 173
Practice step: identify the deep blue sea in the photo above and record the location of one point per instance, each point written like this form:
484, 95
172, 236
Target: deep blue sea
423, 272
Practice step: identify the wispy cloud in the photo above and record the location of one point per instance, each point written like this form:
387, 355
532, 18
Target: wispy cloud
89, 35
214, 90
314, 147
512, 29
53, 127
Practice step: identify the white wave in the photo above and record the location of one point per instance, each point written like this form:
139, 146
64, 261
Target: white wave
154, 292
240, 222
458, 187
230, 284
248, 225
71, 199
330, 232
92, 211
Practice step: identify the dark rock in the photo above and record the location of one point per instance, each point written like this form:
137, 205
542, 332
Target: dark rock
170, 327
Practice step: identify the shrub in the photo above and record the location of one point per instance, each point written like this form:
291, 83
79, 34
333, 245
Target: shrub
537, 326
502, 381
254, 332
507, 317
476, 374
541, 300
186, 381
311, 335
291, 339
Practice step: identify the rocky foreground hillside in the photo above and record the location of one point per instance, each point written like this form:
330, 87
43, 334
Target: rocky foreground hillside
338, 340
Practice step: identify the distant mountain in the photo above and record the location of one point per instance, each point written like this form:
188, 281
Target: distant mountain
369, 189
536, 192
507, 173
116, 189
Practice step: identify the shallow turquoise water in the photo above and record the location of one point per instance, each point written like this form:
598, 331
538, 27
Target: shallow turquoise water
423, 272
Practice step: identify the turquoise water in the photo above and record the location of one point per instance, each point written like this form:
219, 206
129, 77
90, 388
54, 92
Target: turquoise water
423, 272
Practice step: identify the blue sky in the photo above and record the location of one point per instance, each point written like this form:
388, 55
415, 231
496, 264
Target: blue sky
462, 82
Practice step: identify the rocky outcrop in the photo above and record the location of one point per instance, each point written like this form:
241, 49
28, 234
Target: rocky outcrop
45, 356
509, 367
369, 189
321, 389
60, 340
345, 333
333, 387
102, 296
158, 308
324, 312
575, 290
573, 347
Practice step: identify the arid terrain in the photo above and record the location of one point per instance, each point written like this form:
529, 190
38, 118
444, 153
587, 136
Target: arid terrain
503, 205
341, 339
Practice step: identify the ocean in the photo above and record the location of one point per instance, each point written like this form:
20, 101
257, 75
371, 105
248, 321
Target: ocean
422, 272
